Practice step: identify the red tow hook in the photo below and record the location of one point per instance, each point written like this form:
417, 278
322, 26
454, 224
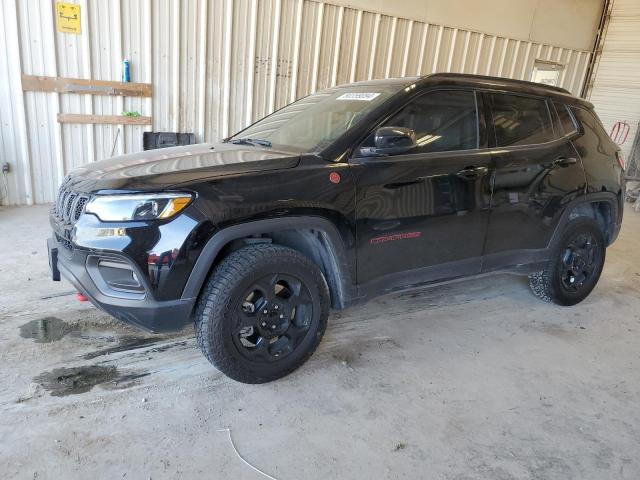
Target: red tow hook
81, 298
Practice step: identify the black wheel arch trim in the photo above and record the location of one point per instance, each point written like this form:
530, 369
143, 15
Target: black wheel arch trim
338, 276
571, 208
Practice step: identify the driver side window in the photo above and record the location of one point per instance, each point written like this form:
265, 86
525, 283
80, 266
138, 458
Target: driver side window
442, 120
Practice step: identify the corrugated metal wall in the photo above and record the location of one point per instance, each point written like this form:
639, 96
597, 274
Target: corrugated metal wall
616, 83
215, 67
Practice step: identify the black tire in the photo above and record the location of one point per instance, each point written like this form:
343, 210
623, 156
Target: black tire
575, 265
239, 322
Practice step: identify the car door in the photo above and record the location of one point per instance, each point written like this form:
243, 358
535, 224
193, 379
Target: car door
537, 172
422, 215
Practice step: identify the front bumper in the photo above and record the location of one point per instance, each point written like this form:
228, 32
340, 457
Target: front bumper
140, 310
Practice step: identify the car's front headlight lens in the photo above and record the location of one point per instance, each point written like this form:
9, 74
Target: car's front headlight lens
117, 208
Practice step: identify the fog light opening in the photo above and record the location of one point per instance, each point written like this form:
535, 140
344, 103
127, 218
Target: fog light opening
115, 277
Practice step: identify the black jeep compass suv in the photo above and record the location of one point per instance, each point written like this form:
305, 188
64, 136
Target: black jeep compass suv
346, 194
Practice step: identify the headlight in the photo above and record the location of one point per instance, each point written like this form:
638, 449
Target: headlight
117, 208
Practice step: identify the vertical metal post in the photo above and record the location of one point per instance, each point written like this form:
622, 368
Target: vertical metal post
374, 46
336, 47
316, 48
356, 46
293, 88
392, 40
275, 39
423, 44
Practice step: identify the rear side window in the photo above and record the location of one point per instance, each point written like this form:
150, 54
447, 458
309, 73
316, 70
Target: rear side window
519, 120
442, 120
566, 119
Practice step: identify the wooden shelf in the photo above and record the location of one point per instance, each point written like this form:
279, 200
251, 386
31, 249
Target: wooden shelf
103, 119
31, 83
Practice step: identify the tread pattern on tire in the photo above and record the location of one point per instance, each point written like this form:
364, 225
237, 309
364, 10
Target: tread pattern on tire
539, 284
216, 301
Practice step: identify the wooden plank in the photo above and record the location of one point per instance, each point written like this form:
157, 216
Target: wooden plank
103, 119
32, 83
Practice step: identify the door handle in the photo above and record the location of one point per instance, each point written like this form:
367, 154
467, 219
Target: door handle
472, 172
564, 161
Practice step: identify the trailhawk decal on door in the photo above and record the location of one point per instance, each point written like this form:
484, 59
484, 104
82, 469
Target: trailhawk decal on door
394, 237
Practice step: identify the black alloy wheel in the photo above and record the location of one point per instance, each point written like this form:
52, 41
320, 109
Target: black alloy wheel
578, 262
273, 317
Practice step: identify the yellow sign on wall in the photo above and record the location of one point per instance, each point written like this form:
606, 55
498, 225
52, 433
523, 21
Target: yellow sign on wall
68, 17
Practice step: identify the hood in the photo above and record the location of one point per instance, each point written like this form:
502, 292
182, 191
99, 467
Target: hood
168, 167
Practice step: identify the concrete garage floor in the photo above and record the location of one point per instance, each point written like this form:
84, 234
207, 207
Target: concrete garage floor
474, 380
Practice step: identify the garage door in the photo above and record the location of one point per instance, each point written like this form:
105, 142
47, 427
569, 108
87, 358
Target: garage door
616, 87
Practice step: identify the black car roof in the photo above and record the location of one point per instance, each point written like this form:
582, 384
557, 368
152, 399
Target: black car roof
482, 81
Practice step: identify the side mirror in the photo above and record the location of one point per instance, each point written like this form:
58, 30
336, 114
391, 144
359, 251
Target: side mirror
391, 141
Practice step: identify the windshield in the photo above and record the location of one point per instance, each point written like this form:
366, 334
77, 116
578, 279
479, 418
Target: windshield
313, 122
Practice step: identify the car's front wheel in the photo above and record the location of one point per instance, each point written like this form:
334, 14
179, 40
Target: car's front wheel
575, 265
262, 313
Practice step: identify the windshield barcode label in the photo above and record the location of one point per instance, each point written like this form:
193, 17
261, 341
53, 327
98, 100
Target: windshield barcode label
364, 96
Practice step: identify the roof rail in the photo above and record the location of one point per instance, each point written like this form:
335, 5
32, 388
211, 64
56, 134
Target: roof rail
501, 79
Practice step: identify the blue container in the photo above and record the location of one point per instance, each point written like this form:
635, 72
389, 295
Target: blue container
126, 77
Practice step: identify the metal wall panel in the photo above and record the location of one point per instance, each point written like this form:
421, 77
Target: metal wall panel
215, 67
14, 145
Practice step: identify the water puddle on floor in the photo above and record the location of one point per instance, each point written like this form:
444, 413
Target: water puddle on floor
61, 382
45, 330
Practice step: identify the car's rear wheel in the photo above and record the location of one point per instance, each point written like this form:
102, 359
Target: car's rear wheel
262, 313
575, 265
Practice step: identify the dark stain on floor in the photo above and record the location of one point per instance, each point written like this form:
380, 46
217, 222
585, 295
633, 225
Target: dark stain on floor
45, 330
56, 295
131, 344
124, 344
61, 382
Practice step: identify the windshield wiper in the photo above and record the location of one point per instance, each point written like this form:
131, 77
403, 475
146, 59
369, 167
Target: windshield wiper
251, 141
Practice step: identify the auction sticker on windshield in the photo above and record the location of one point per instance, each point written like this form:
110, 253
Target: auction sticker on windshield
364, 96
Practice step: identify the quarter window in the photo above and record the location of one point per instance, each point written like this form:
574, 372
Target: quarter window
519, 120
591, 122
566, 120
442, 120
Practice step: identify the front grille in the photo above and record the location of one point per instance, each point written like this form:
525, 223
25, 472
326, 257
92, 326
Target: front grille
64, 242
69, 205
79, 208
